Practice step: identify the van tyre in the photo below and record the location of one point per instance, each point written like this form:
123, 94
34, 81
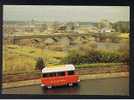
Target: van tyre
49, 87
42, 85
70, 84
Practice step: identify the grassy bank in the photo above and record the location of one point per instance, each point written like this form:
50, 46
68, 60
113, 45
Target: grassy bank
23, 59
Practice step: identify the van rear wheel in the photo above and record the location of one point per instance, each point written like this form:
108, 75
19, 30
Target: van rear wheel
70, 84
42, 85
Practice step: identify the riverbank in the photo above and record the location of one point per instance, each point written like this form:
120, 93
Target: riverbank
82, 77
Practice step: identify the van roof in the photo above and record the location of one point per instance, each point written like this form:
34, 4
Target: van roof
61, 68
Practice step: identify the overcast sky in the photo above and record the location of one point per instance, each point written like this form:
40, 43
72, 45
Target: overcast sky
65, 13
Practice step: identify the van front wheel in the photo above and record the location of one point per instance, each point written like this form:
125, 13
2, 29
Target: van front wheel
70, 84
49, 87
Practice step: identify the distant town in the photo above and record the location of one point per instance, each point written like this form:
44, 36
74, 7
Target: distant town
36, 27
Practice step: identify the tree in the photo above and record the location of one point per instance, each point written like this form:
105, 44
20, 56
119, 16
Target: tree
40, 63
70, 26
121, 26
104, 24
43, 27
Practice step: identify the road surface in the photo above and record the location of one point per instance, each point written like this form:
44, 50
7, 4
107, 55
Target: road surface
113, 86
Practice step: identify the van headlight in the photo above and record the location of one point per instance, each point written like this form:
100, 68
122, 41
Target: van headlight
78, 80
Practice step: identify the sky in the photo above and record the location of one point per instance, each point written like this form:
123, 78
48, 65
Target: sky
65, 13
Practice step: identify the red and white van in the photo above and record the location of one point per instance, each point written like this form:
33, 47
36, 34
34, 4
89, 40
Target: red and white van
59, 75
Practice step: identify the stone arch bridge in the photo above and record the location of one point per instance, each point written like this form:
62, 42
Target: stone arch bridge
60, 38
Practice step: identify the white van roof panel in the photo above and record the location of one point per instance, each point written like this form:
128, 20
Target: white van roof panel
68, 67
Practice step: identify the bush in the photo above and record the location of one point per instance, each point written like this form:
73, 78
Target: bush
82, 56
40, 64
98, 65
112, 36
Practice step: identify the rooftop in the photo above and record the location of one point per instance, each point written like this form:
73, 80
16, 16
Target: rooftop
61, 68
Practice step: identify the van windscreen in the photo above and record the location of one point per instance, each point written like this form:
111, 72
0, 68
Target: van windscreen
49, 74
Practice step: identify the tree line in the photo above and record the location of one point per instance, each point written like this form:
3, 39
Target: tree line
120, 26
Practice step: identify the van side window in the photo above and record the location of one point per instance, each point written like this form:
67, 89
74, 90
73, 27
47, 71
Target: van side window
70, 72
49, 75
44, 75
61, 74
